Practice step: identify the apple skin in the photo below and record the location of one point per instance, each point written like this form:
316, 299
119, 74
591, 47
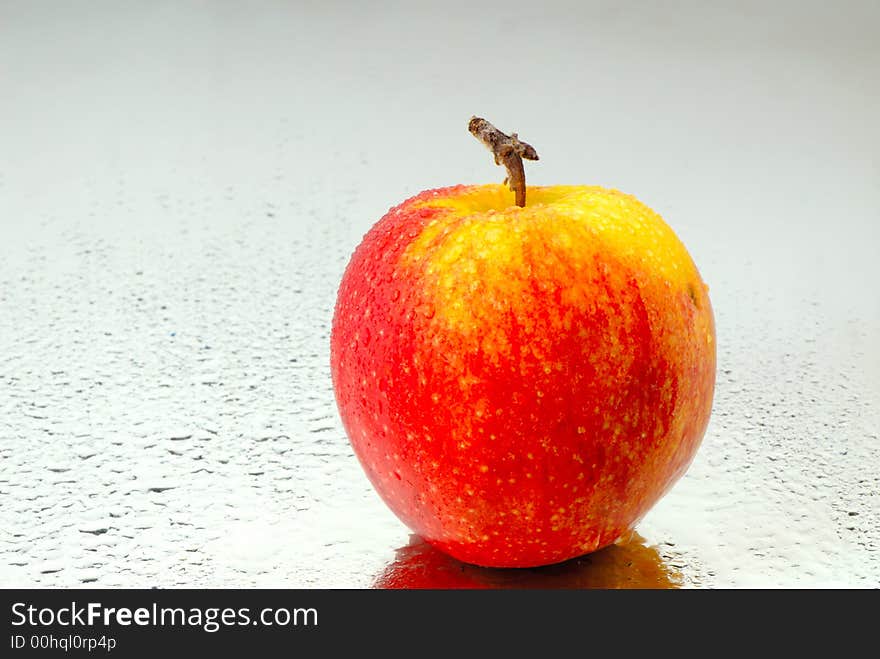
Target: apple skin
521, 385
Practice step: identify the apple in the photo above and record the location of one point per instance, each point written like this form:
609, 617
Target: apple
522, 382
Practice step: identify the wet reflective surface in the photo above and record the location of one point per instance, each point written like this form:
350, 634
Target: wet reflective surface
181, 186
629, 564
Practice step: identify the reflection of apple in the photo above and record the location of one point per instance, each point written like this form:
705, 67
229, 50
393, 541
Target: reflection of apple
632, 564
522, 384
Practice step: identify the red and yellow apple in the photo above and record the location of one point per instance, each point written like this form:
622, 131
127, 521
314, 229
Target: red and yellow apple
522, 384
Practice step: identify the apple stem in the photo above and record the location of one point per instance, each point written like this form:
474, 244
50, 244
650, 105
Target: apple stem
508, 151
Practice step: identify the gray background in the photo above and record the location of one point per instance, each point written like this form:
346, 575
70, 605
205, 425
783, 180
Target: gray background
181, 185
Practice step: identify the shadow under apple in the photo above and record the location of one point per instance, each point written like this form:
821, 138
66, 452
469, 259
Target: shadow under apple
632, 563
